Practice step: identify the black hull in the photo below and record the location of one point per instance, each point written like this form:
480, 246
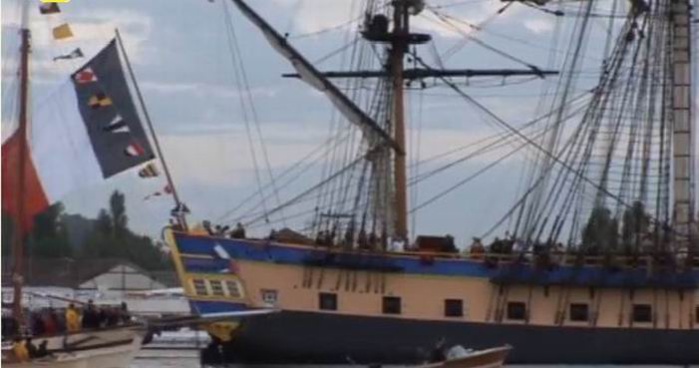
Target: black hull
315, 338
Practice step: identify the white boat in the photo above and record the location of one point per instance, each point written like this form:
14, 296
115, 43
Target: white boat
458, 357
182, 339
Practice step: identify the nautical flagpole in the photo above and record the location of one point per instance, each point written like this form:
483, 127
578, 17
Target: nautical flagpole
178, 203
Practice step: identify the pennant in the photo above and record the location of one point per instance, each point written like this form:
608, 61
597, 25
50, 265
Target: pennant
62, 32
86, 75
134, 150
150, 171
166, 190
99, 100
77, 53
117, 125
49, 8
156, 194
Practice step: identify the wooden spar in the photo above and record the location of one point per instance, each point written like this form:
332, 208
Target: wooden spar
18, 243
682, 124
399, 46
420, 73
178, 203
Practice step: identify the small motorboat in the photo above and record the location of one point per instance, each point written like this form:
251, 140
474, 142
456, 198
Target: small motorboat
459, 357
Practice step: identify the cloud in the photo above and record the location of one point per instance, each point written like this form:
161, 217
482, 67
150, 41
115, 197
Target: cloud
204, 89
539, 26
224, 157
91, 29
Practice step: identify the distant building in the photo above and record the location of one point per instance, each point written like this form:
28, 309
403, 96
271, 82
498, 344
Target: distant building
106, 281
123, 276
98, 274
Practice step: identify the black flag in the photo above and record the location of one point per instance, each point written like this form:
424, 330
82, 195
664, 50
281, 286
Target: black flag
106, 106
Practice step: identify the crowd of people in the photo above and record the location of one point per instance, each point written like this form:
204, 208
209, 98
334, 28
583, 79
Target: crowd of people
50, 322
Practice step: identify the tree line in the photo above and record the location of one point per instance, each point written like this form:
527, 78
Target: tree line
56, 234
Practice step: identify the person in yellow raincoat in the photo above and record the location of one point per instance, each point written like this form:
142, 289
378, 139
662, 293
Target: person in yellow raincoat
19, 349
72, 318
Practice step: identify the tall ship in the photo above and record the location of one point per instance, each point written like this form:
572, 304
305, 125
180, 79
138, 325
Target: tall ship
594, 262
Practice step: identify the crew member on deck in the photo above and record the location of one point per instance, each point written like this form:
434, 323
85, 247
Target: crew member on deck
90, 316
43, 349
31, 348
72, 318
19, 349
238, 232
477, 249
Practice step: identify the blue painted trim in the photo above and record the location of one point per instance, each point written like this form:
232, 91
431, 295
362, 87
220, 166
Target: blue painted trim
262, 251
208, 306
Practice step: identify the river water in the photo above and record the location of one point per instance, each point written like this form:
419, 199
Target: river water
179, 359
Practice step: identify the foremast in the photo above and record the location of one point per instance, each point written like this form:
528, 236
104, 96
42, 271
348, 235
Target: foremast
682, 125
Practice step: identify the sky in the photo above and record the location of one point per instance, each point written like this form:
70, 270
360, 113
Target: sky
181, 57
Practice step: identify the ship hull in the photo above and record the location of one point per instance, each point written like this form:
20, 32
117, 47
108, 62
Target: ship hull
320, 338
341, 307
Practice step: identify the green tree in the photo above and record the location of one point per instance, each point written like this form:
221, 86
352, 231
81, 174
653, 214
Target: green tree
601, 231
111, 238
49, 238
636, 223
103, 225
117, 209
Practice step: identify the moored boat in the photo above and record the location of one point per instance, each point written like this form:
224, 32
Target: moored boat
115, 355
487, 358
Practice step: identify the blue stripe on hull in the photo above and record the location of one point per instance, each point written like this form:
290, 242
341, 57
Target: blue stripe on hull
263, 251
208, 306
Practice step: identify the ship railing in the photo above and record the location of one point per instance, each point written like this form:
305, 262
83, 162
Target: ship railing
619, 260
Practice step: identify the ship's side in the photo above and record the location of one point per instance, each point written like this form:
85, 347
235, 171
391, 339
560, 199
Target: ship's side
343, 307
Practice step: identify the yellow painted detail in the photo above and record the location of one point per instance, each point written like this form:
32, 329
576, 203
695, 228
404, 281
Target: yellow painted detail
222, 330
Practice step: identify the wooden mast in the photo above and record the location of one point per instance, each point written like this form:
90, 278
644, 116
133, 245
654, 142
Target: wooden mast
399, 46
682, 123
18, 241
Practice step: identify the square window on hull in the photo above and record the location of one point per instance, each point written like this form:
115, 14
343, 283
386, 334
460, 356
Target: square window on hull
453, 308
233, 289
516, 311
327, 301
391, 305
642, 313
200, 287
216, 287
579, 312
269, 297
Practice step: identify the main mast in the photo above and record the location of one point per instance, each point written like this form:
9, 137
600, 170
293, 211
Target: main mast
18, 241
682, 123
399, 46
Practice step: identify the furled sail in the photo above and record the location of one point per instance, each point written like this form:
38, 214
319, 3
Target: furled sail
309, 74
